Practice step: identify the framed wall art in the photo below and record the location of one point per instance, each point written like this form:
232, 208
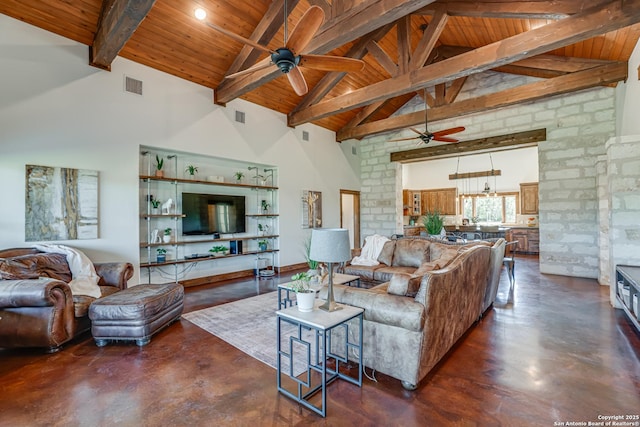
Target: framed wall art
60, 203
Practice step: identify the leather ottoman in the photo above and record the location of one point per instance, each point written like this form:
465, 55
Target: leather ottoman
136, 313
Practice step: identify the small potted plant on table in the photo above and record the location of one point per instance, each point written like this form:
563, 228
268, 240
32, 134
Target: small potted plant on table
238, 175
263, 245
433, 222
305, 296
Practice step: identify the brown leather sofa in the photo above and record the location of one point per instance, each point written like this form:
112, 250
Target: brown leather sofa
37, 308
410, 325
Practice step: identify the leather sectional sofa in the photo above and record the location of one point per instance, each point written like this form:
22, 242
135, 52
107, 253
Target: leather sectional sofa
412, 320
37, 308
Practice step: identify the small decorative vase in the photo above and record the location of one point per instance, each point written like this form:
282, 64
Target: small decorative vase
155, 211
305, 300
160, 173
262, 246
166, 238
161, 258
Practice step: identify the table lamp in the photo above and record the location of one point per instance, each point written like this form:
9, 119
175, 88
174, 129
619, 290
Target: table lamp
330, 245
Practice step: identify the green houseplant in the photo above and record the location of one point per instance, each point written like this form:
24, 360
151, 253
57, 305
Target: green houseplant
167, 235
239, 175
433, 222
305, 296
262, 245
161, 255
191, 170
159, 165
219, 250
155, 204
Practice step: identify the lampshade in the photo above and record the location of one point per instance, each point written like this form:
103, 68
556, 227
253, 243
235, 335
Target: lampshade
330, 245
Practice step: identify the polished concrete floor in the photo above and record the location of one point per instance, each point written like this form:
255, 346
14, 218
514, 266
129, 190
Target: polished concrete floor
558, 354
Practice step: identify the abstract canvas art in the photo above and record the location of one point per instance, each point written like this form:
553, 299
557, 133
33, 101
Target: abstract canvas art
311, 209
60, 203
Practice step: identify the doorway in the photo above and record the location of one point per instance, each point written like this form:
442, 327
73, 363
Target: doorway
350, 215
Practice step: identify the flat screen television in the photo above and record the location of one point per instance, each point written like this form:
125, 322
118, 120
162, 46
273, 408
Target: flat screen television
212, 213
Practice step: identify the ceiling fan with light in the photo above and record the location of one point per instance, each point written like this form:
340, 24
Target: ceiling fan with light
427, 136
289, 58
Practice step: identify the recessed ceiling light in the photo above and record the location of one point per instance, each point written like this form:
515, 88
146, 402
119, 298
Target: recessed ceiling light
200, 13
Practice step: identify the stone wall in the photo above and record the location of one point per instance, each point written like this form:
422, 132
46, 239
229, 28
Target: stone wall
623, 172
578, 125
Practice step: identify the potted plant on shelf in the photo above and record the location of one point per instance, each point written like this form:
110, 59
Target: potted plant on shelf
191, 170
219, 250
162, 255
159, 165
265, 206
262, 245
433, 222
155, 205
167, 235
239, 175
305, 296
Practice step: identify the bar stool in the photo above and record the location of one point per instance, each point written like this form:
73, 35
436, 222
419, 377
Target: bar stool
510, 262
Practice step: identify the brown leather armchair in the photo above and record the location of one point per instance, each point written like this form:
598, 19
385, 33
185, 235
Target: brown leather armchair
37, 308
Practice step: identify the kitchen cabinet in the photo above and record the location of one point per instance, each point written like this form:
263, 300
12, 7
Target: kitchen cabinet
528, 239
529, 198
442, 200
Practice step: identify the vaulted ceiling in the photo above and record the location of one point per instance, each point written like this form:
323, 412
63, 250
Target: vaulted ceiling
407, 45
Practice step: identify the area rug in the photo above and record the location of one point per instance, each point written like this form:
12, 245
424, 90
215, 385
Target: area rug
250, 326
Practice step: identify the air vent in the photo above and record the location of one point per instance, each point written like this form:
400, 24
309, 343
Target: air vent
132, 85
240, 116
305, 135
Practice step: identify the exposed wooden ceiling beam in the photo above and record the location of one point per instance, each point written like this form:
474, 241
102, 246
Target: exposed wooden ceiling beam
266, 29
526, 93
357, 22
481, 174
490, 144
571, 30
330, 80
550, 9
119, 19
429, 39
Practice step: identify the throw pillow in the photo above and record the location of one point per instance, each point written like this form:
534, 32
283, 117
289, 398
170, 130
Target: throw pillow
404, 284
33, 266
386, 255
443, 254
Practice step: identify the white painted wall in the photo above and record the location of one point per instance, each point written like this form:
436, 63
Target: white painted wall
56, 110
628, 99
516, 166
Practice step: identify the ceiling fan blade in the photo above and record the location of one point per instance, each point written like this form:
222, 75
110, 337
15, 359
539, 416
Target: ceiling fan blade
418, 132
444, 139
403, 139
296, 79
305, 30
449, 131
239, 38
265, 63
331, 63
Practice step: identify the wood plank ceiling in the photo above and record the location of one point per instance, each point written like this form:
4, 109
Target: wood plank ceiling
406, 46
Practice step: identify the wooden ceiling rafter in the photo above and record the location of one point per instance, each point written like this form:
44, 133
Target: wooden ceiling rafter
330, 80
609, 17
357, 22
482, 145
556, 9
525, 93
119, 19
262, 34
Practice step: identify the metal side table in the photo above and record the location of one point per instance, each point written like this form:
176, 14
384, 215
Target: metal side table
320, 323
